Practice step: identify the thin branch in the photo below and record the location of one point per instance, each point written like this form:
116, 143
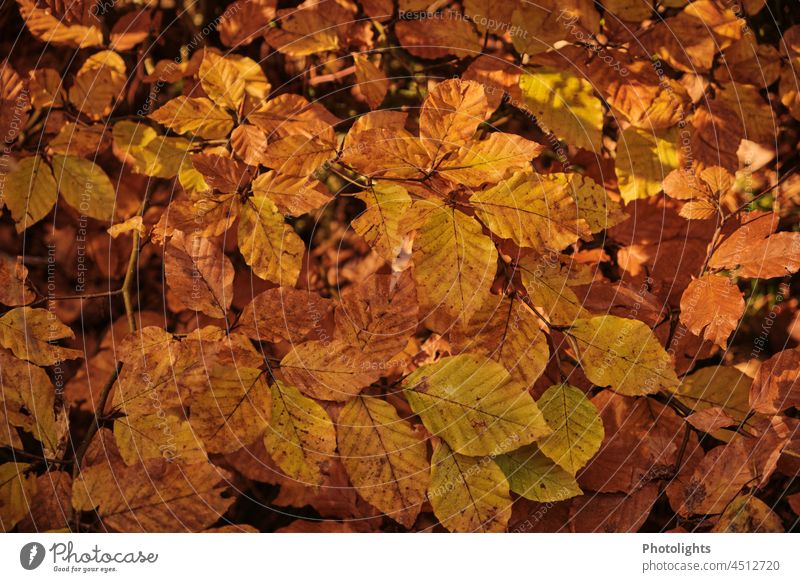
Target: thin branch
133, 264
33, 456
96, 295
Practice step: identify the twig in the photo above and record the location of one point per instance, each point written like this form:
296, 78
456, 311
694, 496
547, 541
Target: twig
96, 295
133, 263
33, 456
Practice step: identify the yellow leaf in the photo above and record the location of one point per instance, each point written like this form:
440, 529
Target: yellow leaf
222, 81
533, 476
490, 160
454, 266
155, 436
381, 224
716, 386
197, 269
85, 187
644, 159
387, 462
256, 84
474, 404
595, 206
548, 285
133, 224
17, 488
196, 115
468, 495
234, 411
534, 210
79, 140
300, 437
148, 152
624, 354
577, 428
748, 514
27, 332
331, 370
30, 191
564, 105
450, 115
269, 246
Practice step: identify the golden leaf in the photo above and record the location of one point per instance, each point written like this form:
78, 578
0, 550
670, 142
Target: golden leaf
434, 38
644, 159
158, 435
533, 476
222, 81
382, 224
507, 331
30, 191
148, 497
269, 246
454, 266
372, 83
28, 401
450, 115
196, 115
475, 405
468, 495
300, 437
49, 28
234, 411
624, 354
577, 428
490, 160
85, 186
565, 105
386, 460
17, 488
534, 210
27, 332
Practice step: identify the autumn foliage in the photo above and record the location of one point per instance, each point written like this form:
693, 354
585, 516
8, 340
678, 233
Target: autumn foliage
400, 265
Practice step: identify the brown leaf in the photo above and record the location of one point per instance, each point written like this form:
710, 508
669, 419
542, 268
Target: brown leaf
287, 314
712, 306
198, 270
775, 387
